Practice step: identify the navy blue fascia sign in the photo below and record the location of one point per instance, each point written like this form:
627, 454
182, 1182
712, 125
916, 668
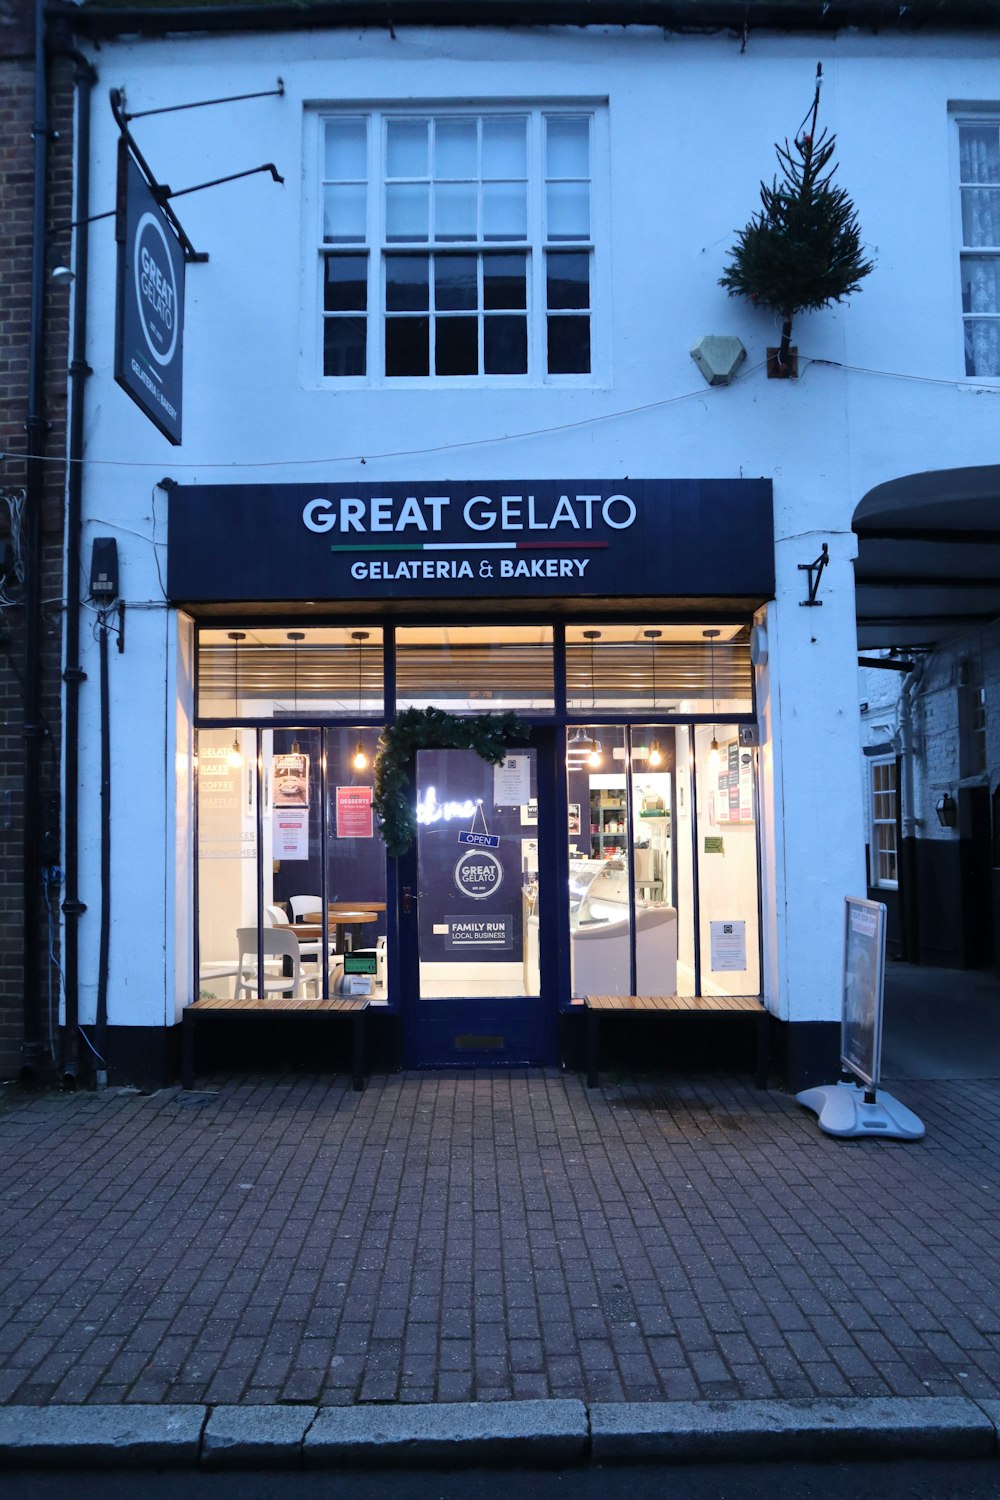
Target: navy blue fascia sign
149, 316
434, 539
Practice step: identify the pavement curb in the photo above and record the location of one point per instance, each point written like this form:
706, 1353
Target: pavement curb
820, 1427
538, 1434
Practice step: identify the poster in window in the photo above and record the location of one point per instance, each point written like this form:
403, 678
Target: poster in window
290, 834
355, 819
290, 780
728, 946
512, 781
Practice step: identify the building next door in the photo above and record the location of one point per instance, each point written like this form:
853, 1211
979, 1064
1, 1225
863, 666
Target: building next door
476, 900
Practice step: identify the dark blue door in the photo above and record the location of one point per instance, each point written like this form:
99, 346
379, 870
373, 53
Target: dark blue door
476, 904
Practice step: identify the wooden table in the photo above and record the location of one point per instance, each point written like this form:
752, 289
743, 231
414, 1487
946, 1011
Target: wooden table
725, 1005
340, 916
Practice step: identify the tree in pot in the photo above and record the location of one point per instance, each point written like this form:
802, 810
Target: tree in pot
802, 251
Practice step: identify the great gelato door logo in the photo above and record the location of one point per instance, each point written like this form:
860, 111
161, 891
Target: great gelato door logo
479, 874
156, 289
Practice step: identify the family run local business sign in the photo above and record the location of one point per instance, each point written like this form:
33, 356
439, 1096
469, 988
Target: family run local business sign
471, 539
149, 319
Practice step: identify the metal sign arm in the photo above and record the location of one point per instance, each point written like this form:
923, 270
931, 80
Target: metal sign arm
170, 109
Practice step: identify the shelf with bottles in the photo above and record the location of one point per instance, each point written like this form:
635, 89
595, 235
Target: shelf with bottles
608, 826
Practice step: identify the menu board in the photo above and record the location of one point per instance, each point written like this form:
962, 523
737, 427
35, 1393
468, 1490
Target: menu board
734, 788
864, 979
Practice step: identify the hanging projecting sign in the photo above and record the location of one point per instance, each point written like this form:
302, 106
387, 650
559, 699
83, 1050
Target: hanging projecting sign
511, 538
149, 318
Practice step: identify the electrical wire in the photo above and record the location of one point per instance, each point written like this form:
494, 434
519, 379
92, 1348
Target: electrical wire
805, 360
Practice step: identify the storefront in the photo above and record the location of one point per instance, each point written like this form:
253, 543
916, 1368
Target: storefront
615, 851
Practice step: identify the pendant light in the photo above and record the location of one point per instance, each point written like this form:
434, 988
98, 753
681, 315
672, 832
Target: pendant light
655, 756
593, 746
235, 756
713, 753
360, 761
295, 636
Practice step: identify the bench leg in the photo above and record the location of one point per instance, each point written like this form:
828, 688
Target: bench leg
763, 1050
593, 1047
358, 1049
187, 1048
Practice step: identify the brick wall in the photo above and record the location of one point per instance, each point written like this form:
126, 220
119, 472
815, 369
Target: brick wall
17, 85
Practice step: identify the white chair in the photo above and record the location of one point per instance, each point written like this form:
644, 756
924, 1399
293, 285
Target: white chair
304, 906
308, 906
275, 916
277, 946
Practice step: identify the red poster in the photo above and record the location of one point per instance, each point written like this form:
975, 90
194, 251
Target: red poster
354, 812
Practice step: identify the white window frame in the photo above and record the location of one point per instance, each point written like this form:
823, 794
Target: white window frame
535, 246
876, 878
989, 117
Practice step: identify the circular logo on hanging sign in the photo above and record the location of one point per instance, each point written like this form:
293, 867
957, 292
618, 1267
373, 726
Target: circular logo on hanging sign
478, 874
156, 288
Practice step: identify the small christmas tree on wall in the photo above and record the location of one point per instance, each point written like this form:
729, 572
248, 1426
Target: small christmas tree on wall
803, 250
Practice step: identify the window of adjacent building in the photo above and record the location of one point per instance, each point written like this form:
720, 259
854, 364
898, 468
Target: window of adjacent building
884, 854
457, 245
971, 727
979, 171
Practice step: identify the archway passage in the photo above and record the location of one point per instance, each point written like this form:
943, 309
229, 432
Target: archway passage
928, 557
927, 581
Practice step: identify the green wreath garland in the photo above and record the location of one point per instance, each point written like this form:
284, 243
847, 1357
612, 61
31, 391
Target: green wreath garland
430, 729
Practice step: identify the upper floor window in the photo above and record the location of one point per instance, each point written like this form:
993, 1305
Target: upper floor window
979, 170
457, 245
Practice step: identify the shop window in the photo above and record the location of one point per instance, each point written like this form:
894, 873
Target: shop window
883, 812
469, 668
660, 829
729, 943
457, 245
662, 668
979, 173
287, 839
278, 673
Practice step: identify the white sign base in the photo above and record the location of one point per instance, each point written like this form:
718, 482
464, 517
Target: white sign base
842, 1111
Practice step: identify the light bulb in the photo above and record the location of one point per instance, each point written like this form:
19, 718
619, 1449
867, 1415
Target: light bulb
655, 757
594, 756
360, 761
713, 755
234, 757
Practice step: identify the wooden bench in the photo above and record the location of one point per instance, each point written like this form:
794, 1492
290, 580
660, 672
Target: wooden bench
684, 1005
340, 1007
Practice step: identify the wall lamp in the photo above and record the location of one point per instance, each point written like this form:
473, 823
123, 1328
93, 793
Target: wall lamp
947, 810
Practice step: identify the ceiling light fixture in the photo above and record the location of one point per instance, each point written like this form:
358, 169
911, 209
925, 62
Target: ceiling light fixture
655, 756
360, 761
295, 636
713, 753
593, 745
235, 756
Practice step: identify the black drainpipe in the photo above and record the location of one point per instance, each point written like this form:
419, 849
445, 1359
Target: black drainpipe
73, 676
33, 730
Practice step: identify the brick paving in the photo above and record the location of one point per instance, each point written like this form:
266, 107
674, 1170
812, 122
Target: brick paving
443, 1237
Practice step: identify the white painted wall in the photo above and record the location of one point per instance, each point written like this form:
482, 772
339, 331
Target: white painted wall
691, 126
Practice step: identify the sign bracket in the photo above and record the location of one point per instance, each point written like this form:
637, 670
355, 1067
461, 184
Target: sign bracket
161, 191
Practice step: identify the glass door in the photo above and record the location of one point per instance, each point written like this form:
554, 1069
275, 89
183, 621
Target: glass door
479, 982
